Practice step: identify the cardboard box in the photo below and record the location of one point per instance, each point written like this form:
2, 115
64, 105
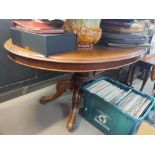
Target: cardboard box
46, 44
146, 129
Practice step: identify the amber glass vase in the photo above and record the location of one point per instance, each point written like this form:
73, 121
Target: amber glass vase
87, 30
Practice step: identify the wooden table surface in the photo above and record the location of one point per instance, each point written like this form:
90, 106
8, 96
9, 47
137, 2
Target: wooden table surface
80, 60
150, 59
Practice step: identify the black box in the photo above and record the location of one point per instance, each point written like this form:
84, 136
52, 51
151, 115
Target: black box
46, 44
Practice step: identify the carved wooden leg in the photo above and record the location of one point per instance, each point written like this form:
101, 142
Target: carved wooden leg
118, 74
77, 81
133, 69
129, 75
61, 87
75, 108
146, 76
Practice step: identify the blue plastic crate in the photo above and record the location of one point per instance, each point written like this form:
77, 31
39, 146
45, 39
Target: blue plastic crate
109, 118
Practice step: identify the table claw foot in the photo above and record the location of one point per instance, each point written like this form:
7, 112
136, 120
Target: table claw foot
45, 99
75, 108
61, 87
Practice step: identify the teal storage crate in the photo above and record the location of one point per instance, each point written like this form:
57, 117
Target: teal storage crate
109, 118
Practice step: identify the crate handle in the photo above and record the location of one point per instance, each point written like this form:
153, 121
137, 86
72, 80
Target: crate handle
150, 118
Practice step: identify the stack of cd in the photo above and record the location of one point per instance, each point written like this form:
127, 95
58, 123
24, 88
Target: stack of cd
125, 32
130, 102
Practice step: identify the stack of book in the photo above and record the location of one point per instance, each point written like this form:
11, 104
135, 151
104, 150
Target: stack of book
43, 38
125, 32
36, 27
130, 102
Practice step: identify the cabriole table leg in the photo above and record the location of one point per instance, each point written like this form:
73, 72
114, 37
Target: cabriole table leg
76, 83
79, 79
76, 99
61, 87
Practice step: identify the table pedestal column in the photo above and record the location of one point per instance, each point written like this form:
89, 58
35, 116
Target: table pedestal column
75, 84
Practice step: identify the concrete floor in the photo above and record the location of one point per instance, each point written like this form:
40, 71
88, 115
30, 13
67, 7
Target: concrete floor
26, 116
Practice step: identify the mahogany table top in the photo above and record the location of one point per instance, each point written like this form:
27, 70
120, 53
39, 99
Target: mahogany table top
80, 60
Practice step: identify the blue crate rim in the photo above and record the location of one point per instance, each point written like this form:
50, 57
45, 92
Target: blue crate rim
117, 108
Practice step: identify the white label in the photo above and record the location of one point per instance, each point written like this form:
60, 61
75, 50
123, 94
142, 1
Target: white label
102, 119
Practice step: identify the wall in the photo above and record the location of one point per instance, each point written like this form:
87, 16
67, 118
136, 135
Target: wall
12, 75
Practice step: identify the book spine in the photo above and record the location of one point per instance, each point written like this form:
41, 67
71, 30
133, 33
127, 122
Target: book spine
143, 108
130, 102
136, 108
101, 85
122, 96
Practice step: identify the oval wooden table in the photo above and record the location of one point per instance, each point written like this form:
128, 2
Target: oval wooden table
82, 62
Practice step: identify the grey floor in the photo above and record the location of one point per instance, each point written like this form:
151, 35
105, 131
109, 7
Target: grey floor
25, 115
